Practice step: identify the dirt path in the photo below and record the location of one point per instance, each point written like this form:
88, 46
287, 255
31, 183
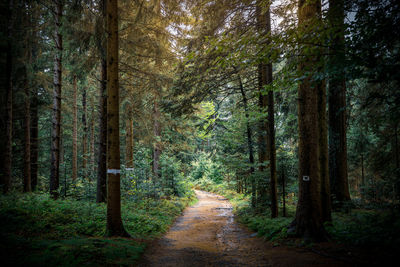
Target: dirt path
207, 235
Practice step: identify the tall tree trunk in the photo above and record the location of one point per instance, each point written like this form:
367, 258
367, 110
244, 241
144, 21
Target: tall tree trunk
74, 131
101, 194
34, 130
92, 136
267, 126
27, 130
6, 156
34, 140
129, 139
249, 144
309, 220
264, 78
56, 116
114, 221
85, 132
323, 154
337, 106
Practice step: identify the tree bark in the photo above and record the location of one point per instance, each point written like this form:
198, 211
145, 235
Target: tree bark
92, 136
249, 144
34, 140
157, 135
56, 116
27, 133
85, 132
114, 221
101, 194
337, 107
74, 131
264, 78
129, 138
309, 220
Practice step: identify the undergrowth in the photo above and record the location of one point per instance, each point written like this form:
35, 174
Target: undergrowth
360, 227
39, 231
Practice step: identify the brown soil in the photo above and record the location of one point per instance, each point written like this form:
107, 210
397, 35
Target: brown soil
207, 235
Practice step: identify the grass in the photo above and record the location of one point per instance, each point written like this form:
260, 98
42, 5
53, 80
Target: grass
39, 231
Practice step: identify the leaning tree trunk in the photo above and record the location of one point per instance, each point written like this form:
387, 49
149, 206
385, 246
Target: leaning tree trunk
337, 106
309, 220
114, 221
56, 116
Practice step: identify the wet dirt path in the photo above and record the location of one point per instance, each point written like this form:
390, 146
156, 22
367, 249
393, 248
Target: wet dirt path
207, 235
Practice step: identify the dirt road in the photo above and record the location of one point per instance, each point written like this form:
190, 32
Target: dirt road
207, 235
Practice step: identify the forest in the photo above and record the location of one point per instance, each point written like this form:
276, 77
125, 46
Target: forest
199, 132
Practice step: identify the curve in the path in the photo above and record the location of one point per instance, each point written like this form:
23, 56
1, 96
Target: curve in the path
207, 235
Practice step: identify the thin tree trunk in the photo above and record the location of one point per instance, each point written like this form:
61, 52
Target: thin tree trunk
324, 154
56, 117
249, 144
283, 193
85, 132
92, 131
101, 192
74, 132
34, 140
27, 133
264, 78
129, 139
114, 221
157, 135
102, 160
337, 107
309, 220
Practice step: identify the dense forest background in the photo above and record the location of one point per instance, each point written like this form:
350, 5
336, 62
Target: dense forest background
291, 109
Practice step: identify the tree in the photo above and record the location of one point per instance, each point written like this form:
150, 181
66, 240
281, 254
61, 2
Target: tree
56, 113
337, 105
266, 102
114, 221
74, 131
101, 192
309, 219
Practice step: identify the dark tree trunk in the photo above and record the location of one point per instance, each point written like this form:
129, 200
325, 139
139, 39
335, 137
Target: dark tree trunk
129, 139
27, 136
337, 106
114, 221
249, 144
56, 116
309, 220
34, 140
157, 135
5, 175
102, 160
264, 78
283, 192
85, 133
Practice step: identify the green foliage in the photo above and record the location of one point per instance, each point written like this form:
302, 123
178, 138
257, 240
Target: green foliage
204, 167
367, 228
69, 232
